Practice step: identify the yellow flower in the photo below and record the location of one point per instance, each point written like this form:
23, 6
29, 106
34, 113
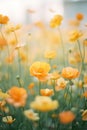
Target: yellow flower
13, 42
54, 115
31, 115
50, 54
61, 84
40, 70
75, 35
70, 73
8, 119
72, 60
44, 104
23, 56
11, 28
79, 83
85, 79
55, 75
84, 115
3, 107
46, 92
3, 95
56, 21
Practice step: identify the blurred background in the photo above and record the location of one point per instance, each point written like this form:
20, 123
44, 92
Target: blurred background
28, 11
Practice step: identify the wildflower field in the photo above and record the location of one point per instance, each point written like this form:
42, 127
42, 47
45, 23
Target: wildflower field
43, 74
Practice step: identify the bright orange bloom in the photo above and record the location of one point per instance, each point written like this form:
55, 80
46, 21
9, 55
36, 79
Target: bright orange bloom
3, 19
79, 16
70, 73
85, 42
46, 92
85, 79
66, 117
3, 43
10, 59
17, 96
40, 70
31, 85
85, 94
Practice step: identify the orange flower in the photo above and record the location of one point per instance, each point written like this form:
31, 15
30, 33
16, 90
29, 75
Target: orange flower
40, 70
17, 96
3, 43
54, 66
46, 92
79, 16
31, 11
31, 85
56, 21
85, 42
70, 73
66, 117
3, 19
10, 59
85, 94
85, 79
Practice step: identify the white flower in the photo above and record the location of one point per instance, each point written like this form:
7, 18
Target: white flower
8, 119
61, 82
31, 115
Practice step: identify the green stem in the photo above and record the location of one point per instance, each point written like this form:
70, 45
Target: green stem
82, 58
19, 64
39, 87
55, 96
83, 53
63, 49
7, 53
18, 79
